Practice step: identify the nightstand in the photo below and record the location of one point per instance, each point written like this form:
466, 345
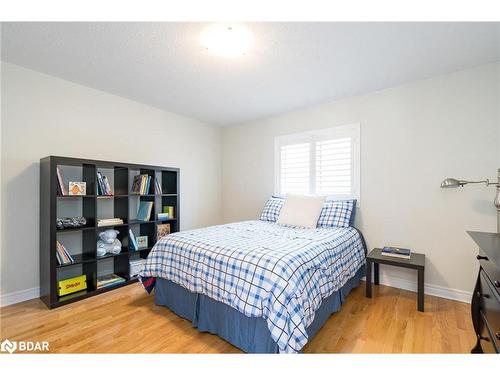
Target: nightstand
416, 261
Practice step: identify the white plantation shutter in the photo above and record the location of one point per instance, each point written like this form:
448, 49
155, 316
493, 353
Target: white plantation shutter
334, 167
324, 162
295, 168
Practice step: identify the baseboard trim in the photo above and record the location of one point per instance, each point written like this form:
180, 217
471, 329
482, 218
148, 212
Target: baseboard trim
20, 296
430, 289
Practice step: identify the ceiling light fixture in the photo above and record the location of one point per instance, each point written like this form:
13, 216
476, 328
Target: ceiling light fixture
227, 40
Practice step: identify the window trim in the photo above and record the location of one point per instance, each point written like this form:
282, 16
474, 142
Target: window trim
350, 130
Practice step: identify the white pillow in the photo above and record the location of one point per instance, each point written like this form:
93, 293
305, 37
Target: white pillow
301, 211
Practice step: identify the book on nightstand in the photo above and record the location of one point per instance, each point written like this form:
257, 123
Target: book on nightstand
396, 252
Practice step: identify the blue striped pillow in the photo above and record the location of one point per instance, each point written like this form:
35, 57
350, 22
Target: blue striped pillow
272, 209
337, 214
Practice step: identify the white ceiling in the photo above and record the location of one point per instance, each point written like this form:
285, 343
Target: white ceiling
291, 66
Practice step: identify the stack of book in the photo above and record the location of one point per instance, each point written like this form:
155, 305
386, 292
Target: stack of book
109, 280
136, 266
61, 189
141, 184
109, 222
103, 186
396, 252
157, 187
62, 255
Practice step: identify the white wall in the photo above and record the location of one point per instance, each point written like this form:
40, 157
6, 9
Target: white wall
43, 115
412, 137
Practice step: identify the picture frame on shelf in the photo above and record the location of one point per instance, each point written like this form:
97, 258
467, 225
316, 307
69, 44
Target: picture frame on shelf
142, 242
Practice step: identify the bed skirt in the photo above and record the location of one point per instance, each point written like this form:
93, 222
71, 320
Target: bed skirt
250, 334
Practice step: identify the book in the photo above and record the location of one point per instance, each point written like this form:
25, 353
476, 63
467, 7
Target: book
136, 184
144, 181
109, 222
62, 255
77, 188
144, 212
162, 216
60, 182
169, 210
157, 187
103, 185
107, 185
133, 241
396, 252
109, 280
162, 230
99, 184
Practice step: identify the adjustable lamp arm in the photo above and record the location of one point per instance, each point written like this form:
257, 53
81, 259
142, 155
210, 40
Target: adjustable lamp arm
454, 183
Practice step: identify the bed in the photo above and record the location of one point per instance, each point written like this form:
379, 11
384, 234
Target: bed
264, 287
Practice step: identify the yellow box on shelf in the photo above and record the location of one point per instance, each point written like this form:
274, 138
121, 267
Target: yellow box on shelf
72, 285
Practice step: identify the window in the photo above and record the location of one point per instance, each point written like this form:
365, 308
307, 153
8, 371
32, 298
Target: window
324, 162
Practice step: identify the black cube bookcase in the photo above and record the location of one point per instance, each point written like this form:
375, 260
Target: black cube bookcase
84, 239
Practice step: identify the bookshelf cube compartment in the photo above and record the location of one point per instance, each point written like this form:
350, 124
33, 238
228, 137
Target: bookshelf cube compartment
88, 269
136, 189
122, 236
117, 265
171, 201
103, 175
135, 203
144, 229
81, 245
169, 182
77, 172
74, 206
113, 207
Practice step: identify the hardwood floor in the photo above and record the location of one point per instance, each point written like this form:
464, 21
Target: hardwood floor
127, 321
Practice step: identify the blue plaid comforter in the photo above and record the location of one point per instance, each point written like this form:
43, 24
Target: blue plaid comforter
262, 269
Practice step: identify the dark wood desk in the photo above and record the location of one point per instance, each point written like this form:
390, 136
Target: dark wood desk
416, 261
